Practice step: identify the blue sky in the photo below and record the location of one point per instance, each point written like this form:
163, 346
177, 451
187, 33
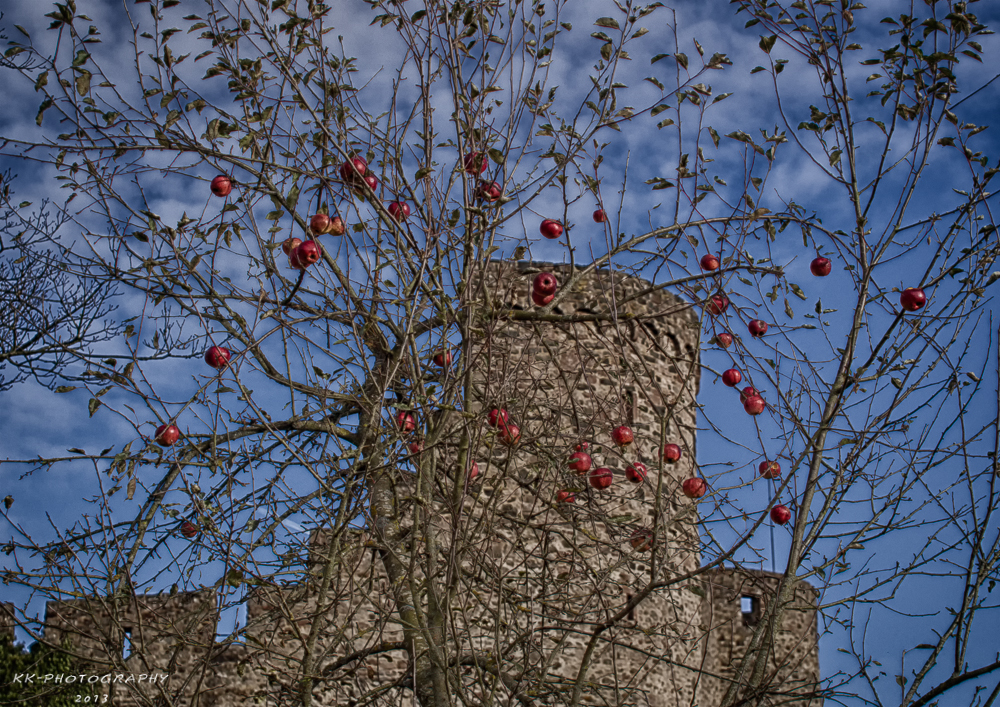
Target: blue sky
40, 422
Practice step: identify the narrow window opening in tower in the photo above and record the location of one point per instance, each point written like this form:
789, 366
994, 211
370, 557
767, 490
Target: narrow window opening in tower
631, 406
631, 612
127, 643
750, 608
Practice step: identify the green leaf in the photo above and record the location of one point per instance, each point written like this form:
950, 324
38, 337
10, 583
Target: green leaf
835, 157
65, 388
798, 291
609, 22
93, 405
767, 43
293, 197
659, 183
81, 58
172, 118
46, 104
681, 59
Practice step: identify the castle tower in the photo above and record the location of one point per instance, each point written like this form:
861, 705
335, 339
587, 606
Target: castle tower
531, 591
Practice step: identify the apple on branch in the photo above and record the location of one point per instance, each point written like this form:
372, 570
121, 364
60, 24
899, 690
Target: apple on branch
551, 229
221, 185
636, 472
167, 435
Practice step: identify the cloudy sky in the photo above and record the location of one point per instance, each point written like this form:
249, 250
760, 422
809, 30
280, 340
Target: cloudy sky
39, 422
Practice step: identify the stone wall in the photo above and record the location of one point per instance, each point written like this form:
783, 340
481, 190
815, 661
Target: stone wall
165, 634
734, 605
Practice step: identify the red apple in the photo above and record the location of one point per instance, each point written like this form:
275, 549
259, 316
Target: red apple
473, 471
695, 487
320, 224
221, 185
602, 478
642, 540
769, 469
442, 359
489, 191
337, 227
189, 529
600, 216
294, 262
748, 393
551, 229
372, 181
541, 300
290, 245
780, 514
757, 328
622, 435
497, 417
731, 377
820, 267
672, 453
415, 447
912, 299
724, 339
580, 462
167, 435
510, 434
308, 253
636, 472
218, 357
709, 262
399, 210
475, 163
564, 496
545, 284
583, 446
353, 170
405, 421
754, 405
717, 304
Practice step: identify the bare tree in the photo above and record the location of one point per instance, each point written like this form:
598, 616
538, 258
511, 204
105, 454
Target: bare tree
445, 452
50, 318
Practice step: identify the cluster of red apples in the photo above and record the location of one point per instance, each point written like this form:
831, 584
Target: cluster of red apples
911, 299
600, 478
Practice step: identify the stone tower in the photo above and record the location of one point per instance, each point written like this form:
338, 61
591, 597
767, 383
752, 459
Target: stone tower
547, 590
